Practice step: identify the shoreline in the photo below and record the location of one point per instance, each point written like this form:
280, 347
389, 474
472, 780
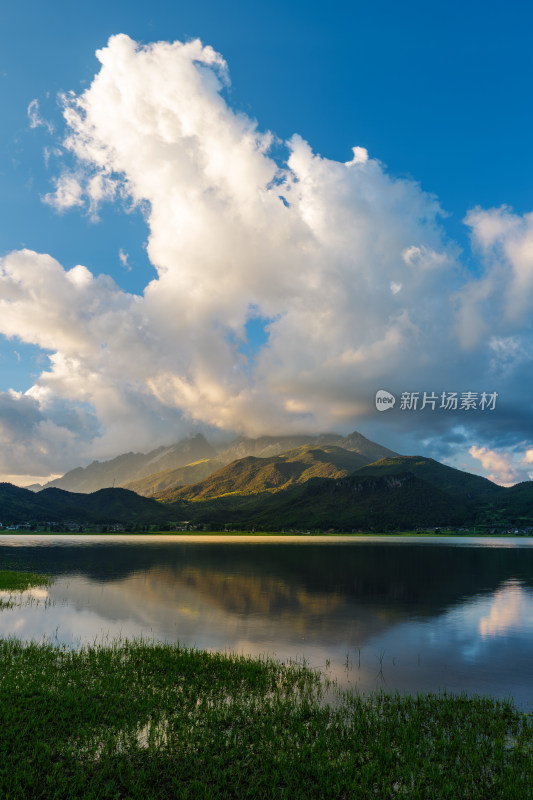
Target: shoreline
139, 720
293, 534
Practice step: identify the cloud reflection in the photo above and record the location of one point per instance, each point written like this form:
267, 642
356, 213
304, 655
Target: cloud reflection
511, 610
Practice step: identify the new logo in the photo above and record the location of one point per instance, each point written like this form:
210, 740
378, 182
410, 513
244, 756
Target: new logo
384, 400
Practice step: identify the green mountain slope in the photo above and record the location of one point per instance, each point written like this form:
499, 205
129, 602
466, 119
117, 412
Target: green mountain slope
460, 485
283, 492
174, 478
343, 504
21, 505
513, 507
253, 476
305, 488
56, 505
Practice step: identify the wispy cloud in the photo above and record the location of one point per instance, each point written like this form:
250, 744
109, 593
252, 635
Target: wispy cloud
34, 116
124, 259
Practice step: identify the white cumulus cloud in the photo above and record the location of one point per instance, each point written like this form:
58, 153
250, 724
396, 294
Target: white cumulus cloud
505, 290
347, 266
68, 193
502, 467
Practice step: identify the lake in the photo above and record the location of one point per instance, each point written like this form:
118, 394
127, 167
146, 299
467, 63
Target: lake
413, 614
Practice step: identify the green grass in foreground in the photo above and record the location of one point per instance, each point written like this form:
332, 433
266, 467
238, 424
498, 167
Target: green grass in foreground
11, 581
160, 721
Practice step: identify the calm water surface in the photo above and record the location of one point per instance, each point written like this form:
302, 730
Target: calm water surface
397, 613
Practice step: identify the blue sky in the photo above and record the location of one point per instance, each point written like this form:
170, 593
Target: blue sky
438, 94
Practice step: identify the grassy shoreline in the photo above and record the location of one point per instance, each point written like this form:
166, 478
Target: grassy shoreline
16, 582
328, 534
136, 720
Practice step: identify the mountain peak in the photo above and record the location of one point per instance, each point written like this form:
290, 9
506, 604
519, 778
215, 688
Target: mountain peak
133, 469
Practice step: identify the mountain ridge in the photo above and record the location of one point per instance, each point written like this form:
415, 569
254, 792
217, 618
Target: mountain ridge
404, 491
253, 475
132, 466
106, 506
143, 472
305, 488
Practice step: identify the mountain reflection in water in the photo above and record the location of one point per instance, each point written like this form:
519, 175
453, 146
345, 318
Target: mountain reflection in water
384, 612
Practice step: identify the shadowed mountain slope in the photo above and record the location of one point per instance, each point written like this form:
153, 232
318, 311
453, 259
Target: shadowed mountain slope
403, 492
348, 503
460, 485
57, 505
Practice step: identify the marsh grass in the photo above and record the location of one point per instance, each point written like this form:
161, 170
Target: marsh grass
137, 720
13, 583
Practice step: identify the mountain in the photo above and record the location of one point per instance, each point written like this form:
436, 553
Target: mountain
20, 505
351, 503
174, 478
400, 492
253, 476
57, 505
187, 451
99, 475
308, 487
514, 506
133, 466
194, 459
266, 446
460, 485
321, 482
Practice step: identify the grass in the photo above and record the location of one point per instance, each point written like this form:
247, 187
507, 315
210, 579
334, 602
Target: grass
135, 720
12, 581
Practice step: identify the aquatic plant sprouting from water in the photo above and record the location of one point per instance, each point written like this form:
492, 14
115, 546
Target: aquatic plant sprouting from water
138, 720
15, 587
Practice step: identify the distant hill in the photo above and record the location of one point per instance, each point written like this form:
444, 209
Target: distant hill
98, 475
194, 459
21, 505
514, 504
133, 466
57, 505
108, 505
